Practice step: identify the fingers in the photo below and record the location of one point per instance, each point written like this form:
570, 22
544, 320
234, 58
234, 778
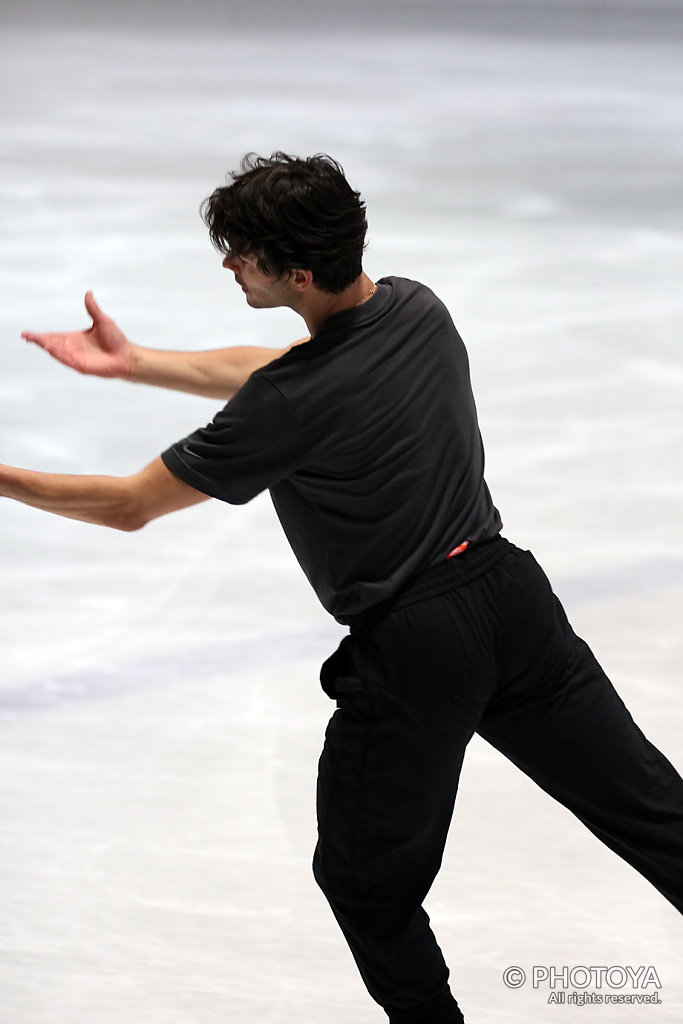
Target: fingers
50, 343
37, 339
92, 307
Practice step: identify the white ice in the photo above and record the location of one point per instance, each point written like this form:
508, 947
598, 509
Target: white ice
159, 706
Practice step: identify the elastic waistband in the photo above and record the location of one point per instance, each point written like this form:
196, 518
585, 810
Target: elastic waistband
438, 579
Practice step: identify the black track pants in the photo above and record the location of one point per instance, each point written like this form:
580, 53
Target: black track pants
479, 644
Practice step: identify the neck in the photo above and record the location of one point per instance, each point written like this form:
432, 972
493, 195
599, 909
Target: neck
318, 306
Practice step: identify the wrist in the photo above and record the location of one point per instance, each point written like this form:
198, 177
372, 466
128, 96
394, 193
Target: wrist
134, 364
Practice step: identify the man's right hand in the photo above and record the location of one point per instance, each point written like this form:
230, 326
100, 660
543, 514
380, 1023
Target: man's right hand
102, 349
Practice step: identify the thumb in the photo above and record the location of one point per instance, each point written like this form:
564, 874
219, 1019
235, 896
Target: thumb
92, 307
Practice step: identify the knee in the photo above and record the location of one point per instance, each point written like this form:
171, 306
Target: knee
330, 882
340, 888
363, 905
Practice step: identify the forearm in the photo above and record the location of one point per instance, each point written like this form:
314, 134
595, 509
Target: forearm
121, 502
103, 350
103, 500
216, 373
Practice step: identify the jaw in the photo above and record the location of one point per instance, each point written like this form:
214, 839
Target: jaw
267, 298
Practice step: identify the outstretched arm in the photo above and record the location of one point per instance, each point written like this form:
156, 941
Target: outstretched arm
214, 373
104, 351
124, 503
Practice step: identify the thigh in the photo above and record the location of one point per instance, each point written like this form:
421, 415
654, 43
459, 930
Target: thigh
558, 717
410, 693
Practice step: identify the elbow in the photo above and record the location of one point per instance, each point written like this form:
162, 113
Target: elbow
129, 524
128, 517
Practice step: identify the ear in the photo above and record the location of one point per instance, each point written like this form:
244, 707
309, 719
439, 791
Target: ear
301, 279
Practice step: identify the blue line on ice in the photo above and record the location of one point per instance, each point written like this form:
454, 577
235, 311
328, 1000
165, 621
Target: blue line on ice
234, 657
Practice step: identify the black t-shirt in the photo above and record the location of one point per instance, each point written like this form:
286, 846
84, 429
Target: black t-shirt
367, 438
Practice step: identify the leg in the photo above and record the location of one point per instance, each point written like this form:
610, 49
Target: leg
409, 697
558, 717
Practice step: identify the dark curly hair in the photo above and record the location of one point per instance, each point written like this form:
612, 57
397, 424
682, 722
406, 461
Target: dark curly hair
291, 214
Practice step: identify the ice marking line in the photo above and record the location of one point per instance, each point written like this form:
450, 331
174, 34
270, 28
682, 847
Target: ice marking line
185, 667
641, 578
122, 678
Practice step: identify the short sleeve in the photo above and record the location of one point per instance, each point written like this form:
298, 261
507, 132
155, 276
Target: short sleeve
250, 445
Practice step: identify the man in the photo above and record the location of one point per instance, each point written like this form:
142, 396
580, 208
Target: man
365, 433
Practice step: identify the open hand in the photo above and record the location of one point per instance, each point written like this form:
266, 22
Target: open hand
102, 349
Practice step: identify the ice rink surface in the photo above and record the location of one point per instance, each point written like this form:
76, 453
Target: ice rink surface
159, 707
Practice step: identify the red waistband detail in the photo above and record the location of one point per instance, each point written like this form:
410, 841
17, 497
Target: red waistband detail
459, 550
